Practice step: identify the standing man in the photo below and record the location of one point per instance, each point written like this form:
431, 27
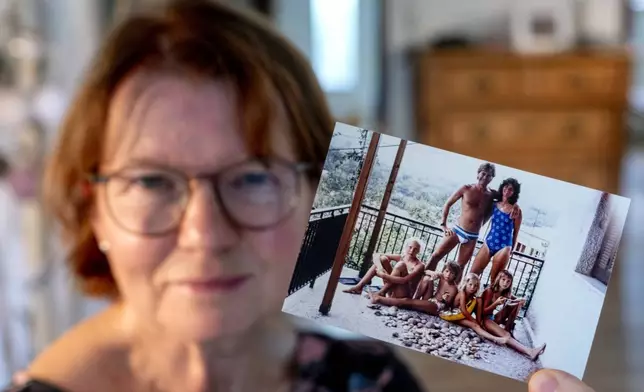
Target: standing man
476, 206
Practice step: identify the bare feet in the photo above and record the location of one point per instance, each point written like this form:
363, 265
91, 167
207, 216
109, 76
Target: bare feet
537, 352
353, 290
375, 298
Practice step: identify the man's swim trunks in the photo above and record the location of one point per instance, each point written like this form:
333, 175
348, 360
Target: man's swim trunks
464, 236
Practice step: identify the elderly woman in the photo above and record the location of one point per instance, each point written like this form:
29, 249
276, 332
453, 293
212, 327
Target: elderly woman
184, 177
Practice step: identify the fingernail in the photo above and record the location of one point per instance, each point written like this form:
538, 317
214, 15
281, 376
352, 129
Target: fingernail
545, 382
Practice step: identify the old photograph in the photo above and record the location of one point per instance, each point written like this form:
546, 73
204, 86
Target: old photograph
468, 260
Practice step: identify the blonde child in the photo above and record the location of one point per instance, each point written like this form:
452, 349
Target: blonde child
464, 305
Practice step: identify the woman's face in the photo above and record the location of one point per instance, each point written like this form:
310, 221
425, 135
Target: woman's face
508, 191
206, 279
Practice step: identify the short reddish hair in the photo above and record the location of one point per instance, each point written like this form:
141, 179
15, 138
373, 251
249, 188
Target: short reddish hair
199, 38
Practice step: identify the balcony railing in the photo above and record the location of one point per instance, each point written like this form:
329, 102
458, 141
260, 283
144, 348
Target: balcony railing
320, 243
318, 251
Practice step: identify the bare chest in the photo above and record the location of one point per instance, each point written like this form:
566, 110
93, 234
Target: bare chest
476, 199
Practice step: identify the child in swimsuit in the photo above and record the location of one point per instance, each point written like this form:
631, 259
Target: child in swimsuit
500, 295
465, 305
446, 284
425, 299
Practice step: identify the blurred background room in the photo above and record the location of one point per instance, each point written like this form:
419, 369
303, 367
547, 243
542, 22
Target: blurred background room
554, 87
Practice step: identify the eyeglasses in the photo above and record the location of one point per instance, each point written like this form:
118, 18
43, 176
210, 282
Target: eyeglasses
255, 194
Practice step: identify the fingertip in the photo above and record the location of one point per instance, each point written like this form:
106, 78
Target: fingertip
543, 381
549, 380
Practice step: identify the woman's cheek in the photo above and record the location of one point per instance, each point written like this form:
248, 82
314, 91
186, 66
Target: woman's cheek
279, 246
135, 261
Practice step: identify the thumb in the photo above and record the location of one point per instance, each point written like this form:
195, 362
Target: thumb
548, 380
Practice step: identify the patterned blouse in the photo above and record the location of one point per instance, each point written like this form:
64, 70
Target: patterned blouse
322, 364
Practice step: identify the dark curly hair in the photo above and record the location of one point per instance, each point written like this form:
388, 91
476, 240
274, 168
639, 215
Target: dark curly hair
515, 185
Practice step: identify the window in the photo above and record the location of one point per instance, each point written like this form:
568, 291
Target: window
334, 43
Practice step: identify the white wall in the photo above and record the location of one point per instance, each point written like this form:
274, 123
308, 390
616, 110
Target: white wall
414, 23
566, 306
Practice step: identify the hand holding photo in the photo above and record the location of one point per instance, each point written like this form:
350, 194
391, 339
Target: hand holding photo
456, 257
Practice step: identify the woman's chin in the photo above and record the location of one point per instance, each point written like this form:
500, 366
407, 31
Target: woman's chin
207, 327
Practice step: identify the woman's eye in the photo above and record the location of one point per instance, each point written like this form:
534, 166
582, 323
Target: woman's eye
154, 182
253, 180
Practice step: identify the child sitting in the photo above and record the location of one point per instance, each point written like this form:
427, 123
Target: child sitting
500, 294
446, 289
425, 299
465, 305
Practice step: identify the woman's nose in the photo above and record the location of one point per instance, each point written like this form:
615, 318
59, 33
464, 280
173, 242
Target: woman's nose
205, 223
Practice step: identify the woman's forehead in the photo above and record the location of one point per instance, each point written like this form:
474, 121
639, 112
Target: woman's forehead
180, 122
173, 120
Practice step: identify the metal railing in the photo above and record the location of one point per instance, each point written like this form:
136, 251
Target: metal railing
325, 229
396, 229
320, 243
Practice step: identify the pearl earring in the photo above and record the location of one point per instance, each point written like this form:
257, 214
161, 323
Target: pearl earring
104, 246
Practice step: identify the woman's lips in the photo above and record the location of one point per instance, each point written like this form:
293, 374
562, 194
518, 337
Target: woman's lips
214, 285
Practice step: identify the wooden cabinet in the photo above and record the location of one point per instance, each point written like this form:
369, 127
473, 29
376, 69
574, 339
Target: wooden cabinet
559, 116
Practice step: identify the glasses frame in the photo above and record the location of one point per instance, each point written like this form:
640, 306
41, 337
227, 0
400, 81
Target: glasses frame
297, 168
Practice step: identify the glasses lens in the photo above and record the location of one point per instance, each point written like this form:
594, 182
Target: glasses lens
258, 194
147, 200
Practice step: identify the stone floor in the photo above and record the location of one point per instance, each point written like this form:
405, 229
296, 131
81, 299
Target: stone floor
417, 331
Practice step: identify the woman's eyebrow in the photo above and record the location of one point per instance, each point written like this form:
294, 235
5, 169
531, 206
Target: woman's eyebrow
141, 162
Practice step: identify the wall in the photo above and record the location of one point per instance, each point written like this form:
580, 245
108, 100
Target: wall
414, 23
566, 306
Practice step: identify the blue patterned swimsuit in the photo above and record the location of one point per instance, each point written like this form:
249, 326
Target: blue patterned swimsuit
502, 231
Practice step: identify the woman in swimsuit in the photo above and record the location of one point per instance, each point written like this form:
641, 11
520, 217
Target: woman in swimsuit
504, 231
502, 323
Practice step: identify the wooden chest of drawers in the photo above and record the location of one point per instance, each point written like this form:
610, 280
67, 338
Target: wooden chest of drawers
559, 116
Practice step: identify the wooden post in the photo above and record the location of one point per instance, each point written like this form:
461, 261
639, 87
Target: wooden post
377, 227
347, 232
